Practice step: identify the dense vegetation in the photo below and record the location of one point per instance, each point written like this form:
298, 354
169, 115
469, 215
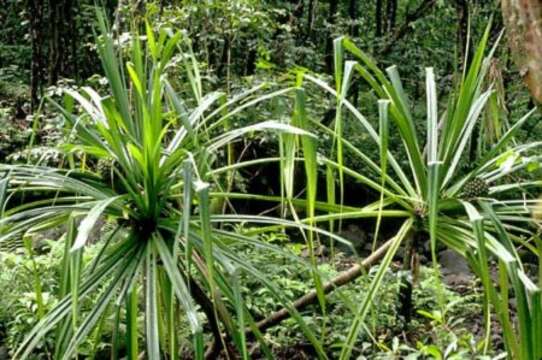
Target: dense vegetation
286, 179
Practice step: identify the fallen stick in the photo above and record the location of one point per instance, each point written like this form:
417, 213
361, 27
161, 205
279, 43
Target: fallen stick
311, 297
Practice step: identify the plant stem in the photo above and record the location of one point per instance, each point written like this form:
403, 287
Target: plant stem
37, 282
131, 319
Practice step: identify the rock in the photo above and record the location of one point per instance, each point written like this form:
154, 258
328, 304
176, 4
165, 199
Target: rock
356, 236
454, 267
4, 354
453, 263
56, 233
319, 251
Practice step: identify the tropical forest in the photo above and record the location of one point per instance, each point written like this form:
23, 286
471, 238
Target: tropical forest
257, 179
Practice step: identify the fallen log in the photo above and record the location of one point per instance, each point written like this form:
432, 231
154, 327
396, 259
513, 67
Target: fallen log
343, 278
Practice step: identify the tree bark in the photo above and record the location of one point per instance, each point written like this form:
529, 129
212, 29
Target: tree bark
353, 13
343, 278
523, 19
462, 9
35, 11
405, 307
310, 19
378, 18
298, 11
71, 42
296, 21
54, 48
333, 7
391, 15
401, 31
53, 40
206, 305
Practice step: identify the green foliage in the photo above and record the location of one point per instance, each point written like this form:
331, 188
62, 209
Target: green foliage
456, 333
15, 49
163, 149
431, 184
13, 136
18, 305
151, 146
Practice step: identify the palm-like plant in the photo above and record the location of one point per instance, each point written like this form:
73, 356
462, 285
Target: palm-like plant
167, 248
475, 208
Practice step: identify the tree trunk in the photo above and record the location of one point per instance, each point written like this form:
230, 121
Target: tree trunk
401, 31
250, 66
207, 307
523, 19
391, 15
222, 65
71, 43
299, 9
462, 8
378, 18
310, 19
333, 6
405, 308
35, 11
54, 49
353, 13
296, 21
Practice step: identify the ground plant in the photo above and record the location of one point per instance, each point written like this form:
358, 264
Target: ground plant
241, 179
477, 208
154, 151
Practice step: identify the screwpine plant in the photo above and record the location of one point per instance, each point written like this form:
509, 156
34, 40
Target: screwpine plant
476, 209
158, 153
